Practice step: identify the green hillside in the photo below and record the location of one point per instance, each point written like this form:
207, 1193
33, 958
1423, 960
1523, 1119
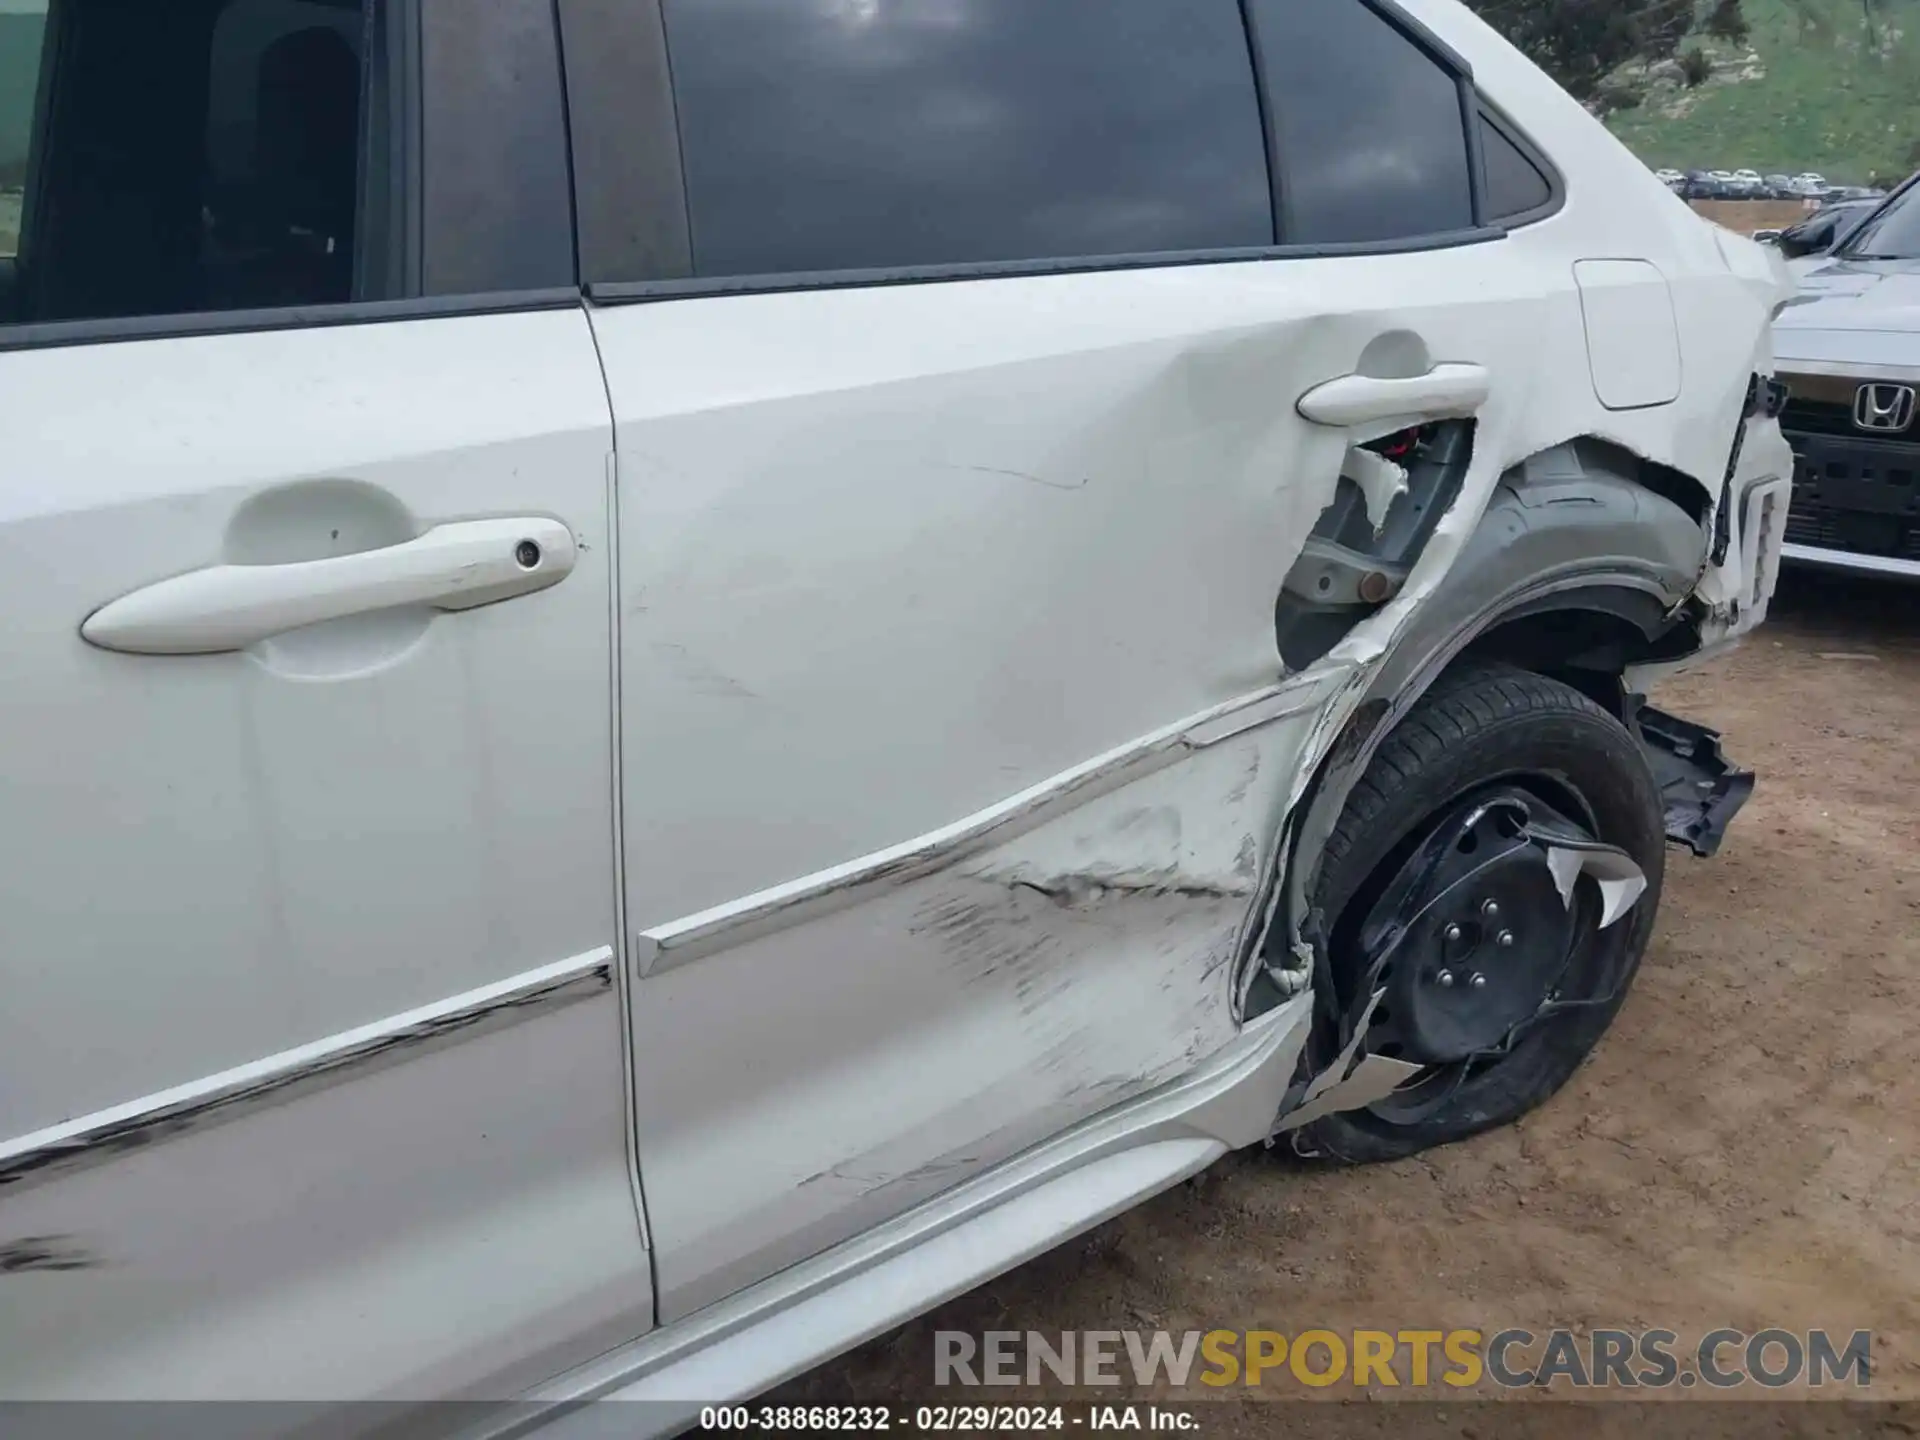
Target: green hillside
1827, 85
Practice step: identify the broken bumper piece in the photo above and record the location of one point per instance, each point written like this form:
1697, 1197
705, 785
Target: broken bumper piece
1703, 790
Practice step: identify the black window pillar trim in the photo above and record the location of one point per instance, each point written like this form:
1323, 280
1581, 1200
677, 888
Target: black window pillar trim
1476, 152
390, 222
629, 185
56, 37
1437, 49
1269, 126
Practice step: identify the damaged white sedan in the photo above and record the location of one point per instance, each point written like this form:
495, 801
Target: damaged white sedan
658, 713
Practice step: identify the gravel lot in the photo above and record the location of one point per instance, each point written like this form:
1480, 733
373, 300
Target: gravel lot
1740, 1151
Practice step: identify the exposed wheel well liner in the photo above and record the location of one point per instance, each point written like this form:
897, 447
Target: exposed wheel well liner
1578, 569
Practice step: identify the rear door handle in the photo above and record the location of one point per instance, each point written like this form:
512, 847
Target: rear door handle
229, 607
1445, 392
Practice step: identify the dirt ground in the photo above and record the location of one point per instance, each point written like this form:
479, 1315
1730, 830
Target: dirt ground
1740, 1151
1747, 216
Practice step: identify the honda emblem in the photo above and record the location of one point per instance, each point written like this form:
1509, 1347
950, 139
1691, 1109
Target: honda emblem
1883, 408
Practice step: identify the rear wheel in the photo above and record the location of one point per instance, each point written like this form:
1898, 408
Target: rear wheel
1494, 879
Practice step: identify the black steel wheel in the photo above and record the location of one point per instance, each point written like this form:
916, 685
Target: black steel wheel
1485, 897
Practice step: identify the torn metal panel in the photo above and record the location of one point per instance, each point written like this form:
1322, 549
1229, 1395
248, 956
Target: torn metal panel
1371, 1081
680, 941
1620, 881
1379, 479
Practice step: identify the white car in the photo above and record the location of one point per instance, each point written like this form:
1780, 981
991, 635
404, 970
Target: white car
1810, 182
655, 715
1852, 351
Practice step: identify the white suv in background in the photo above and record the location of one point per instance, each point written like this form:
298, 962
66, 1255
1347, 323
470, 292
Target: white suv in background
682, 674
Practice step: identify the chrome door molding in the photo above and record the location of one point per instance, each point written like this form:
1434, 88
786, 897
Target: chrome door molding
166, 1114
677, 942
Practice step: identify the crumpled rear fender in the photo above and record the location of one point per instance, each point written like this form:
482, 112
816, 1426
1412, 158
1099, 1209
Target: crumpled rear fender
1570, 529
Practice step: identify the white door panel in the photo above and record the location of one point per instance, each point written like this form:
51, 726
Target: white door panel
270, 846
458, 1223
253, 903
892, 557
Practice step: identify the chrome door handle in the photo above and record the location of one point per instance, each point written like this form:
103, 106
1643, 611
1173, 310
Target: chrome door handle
1444, 392
229, 607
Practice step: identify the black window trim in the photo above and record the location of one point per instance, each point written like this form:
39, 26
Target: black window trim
630, 193
643, 115
408, 103
614, 292
57, 333
1269, 126
1556, 199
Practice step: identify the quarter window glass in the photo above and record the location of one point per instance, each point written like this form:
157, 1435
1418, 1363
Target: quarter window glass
1372, 140
198, 155
823, 135
1515, 185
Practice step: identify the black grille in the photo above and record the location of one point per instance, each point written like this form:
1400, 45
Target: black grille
1818, 417
1830, 528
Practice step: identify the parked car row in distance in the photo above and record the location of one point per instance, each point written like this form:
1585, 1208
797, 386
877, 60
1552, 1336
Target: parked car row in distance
1751, 185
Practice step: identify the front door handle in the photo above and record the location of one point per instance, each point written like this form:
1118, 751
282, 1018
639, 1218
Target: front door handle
1445, 392
229, 607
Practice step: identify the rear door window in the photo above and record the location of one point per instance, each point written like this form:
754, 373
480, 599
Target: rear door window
1370, 127
831, 135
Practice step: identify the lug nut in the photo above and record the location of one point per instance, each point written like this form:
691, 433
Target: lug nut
1445, 977
1479, 981
1454, 932
1504, 940
1491, 909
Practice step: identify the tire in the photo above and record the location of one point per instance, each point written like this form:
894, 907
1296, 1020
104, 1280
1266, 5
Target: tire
1484, 725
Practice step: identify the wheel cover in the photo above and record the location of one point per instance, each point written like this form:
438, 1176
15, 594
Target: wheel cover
1472, 939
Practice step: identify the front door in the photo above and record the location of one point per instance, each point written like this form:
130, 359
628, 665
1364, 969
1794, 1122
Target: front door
311, 1077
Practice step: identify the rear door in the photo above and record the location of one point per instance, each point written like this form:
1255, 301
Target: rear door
956, 353
311, 1077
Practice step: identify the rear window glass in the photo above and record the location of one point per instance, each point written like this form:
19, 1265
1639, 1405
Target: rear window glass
1370, 130
822, 135
1515, 185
